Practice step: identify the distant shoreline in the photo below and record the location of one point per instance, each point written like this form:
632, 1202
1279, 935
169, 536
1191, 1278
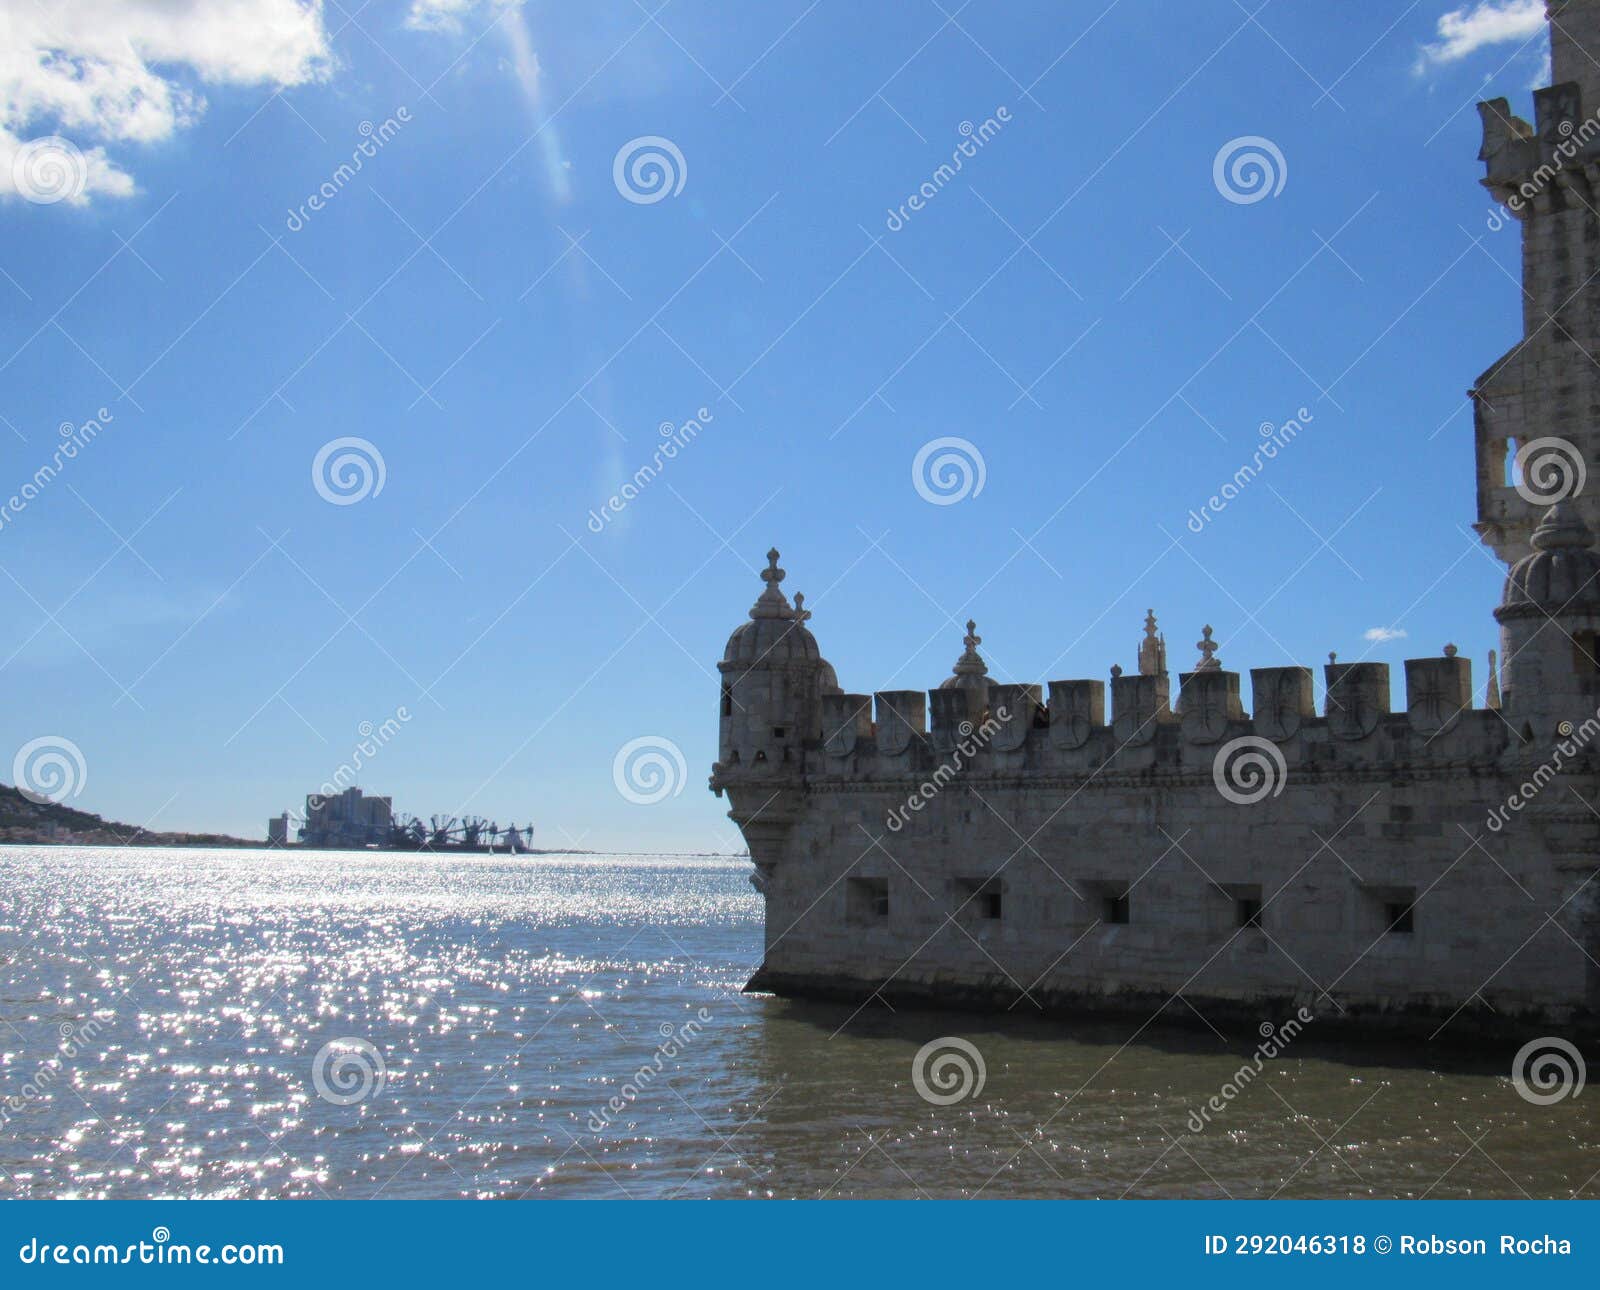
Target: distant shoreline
195, 842
27, 823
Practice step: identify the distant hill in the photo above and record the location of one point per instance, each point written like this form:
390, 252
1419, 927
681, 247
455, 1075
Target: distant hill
46, 823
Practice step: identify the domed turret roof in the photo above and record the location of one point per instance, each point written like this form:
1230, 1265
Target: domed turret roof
776, 633
970, 671
1562, 575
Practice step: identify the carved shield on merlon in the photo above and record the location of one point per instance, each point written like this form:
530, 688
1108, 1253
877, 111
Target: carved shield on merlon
1018, 703
1437, 691
845, 718
1207, 702
902, 715
1077, 710
1138, 705
1282, 701
1358, 698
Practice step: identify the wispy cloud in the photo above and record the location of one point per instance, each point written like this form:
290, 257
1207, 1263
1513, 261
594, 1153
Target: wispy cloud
108, 72
1463, 32
1380, 634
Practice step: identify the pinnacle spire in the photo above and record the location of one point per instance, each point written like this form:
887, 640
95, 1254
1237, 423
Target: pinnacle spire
971, 662
1153, 648
772, 603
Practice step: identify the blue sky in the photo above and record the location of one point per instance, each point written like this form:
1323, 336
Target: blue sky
483, 305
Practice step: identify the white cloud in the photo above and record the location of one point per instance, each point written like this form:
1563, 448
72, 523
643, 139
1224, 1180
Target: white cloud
88, 70
438, 15
1462, 32
446, 15
1381, 634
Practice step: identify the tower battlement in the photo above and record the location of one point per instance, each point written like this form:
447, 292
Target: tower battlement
1011, 730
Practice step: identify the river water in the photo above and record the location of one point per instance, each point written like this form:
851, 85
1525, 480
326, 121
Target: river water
254, 1024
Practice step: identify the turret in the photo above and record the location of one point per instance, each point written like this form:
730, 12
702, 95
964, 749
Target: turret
1549, 616
1534, 426
963, 696
773, 679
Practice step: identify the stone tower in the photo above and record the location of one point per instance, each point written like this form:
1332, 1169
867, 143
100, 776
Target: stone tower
1537, 410
773, 680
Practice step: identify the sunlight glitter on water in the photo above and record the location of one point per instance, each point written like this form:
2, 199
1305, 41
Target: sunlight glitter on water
242, 1024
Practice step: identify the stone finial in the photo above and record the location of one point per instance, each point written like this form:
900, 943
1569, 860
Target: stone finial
801, 613
1561, 526
1152, 649
971, 662
1450, 651
1207, 648
1333, 657
772, 603
1491, 692
1116, 671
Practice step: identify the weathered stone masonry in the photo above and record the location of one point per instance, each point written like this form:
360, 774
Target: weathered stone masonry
1118, 851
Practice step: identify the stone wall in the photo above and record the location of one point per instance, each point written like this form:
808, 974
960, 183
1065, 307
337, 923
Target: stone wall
1246, 887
